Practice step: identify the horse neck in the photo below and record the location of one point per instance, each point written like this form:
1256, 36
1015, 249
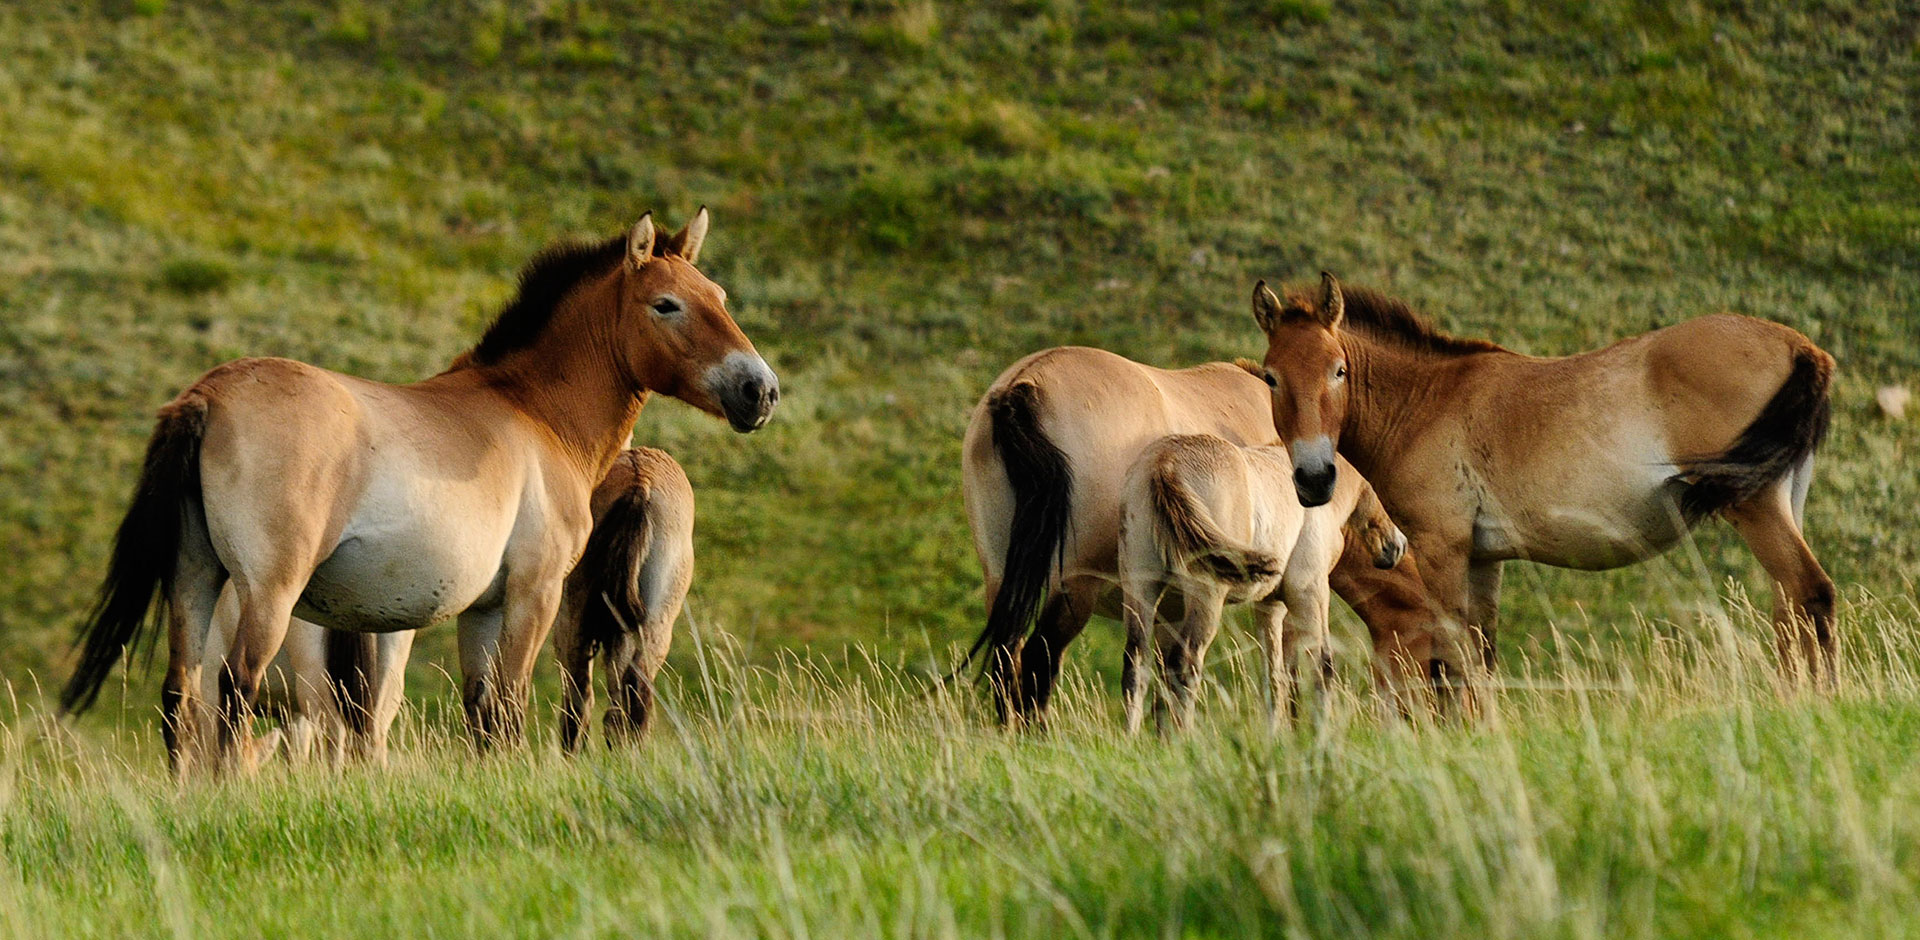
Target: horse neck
1394, 394
571, 378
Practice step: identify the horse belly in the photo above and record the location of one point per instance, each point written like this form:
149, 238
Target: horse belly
1595, 535
381, 587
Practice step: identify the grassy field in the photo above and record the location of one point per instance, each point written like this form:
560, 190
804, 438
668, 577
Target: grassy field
907, 197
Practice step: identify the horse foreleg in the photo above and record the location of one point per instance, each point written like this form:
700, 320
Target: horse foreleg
574, 655
1803, 595
388, 687
529, 615
1483, 604
1443, 565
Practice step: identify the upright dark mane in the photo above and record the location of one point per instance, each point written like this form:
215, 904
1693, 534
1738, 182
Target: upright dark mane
544, 282
1390, 320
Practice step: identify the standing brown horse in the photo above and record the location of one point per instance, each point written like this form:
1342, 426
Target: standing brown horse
372, 508
1596, 460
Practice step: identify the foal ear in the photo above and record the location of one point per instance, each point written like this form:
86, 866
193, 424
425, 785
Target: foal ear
1266, 307
686, 242
640, 242
1333, 304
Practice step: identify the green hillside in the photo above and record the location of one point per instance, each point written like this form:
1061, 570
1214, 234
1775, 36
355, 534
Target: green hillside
907, 198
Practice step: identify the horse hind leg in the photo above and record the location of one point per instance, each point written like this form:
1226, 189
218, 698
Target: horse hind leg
184, 714
264, 612
1803, 601
1061, 621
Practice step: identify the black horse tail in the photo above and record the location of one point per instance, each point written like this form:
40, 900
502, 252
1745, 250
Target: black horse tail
1037, 538
350, 665
611, 568
1788, 431
146, 551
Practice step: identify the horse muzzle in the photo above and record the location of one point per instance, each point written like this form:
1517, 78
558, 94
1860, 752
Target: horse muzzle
747, 390
1313, 471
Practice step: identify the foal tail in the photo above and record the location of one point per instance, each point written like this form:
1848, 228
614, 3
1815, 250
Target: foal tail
1787, 432
611, 565
1042, 484
1186, 527
145, 551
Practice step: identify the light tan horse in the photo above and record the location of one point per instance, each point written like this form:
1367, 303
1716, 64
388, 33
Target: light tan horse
1218, 523
374, 508
620, 603
1044, 462
624, 596
1597, 460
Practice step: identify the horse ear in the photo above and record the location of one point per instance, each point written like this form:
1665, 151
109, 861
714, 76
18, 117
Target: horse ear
640, 242
686, 242
1333, 304
1266, 307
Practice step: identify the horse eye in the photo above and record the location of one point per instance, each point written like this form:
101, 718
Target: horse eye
1270, 380
665, 307
1340, 372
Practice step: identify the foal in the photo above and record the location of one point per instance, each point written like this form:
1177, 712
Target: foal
625, 594
1219, 523
376, 508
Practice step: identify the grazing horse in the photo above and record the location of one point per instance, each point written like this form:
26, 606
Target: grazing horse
374, 508
1044, 461
620, 601
1592, 461
1219, 523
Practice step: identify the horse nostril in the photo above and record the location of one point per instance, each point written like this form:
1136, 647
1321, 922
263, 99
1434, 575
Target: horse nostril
773, 395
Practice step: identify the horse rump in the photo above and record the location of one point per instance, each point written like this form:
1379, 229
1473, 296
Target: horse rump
1788, 430
1185, 527
146, 549
1042, 483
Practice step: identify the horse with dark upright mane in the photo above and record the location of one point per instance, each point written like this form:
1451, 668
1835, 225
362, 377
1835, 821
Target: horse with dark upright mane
1596, 460
273, 488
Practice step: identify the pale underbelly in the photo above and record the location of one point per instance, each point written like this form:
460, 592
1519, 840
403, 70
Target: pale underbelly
384, 588
1631, 528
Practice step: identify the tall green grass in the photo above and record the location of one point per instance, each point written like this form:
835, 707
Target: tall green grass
1675, 792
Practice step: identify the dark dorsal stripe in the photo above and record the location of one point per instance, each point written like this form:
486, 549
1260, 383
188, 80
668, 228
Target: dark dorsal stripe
544, 282
1390, 320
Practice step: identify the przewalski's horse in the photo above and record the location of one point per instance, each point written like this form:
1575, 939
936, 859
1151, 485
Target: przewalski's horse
623, 597
1596, 460
620, 602
374, 508
1044, 461
1217, 523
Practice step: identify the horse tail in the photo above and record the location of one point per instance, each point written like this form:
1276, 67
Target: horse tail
1185, 526
146, 550
1787, 432
350, 665
1042, 482
611, 567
